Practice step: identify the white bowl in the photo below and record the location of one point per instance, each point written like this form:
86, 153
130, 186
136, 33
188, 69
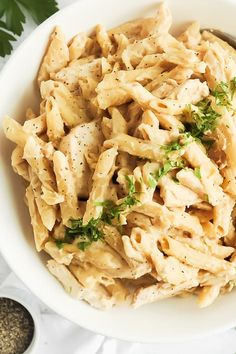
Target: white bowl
20, 296
165, 321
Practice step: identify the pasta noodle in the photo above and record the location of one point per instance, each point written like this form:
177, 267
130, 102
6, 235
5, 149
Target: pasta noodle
130, 162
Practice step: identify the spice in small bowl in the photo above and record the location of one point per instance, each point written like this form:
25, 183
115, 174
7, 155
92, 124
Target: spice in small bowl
16, 327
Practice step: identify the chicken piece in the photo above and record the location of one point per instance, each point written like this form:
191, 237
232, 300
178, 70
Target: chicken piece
81, 69
75, 145
176, 195
190, 91
60, 255
188, 179
56, 57
69, 282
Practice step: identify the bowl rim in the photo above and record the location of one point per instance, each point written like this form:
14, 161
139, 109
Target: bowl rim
50, 304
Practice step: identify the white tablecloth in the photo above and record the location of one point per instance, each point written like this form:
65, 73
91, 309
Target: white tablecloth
63, 337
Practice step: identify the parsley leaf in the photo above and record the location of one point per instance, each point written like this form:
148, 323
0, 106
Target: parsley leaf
131, 199
85, 234
131, 186
59, 243
222, 95
152, 181
13, 18
173, 146
203, 118
83, 245
168, 166
197, 172
40, 10
163, 170
178, 144
112, 211
5, 39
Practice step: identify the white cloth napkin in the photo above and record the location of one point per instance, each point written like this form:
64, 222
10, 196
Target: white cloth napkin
63, 337
60, 336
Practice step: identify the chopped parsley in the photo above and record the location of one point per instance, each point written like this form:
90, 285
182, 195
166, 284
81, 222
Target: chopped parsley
177, 144
168, 166
152, 181
203, 118
82, 245
173, 146
12, 14
222, 95
197, 172
86, 234
59, 243
112, 211
170, 163
131, 185
207, 142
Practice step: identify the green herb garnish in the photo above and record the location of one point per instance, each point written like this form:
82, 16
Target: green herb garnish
59, 243
152, 182
173, 146
207, 142
13, 18
168, 166
112, 211
131, 199
222, 95
82, 245
177, 144
5, 39
91, 232
197, 172
203, 118
85, 234
131, 185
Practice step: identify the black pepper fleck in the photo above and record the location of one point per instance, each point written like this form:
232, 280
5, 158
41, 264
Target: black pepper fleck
16, 327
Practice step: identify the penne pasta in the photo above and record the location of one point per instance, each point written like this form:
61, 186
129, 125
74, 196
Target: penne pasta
130, 165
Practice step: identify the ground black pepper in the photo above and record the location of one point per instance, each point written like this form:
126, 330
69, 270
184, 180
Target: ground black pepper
16, 327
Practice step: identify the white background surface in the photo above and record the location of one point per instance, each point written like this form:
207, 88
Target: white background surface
59, 336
